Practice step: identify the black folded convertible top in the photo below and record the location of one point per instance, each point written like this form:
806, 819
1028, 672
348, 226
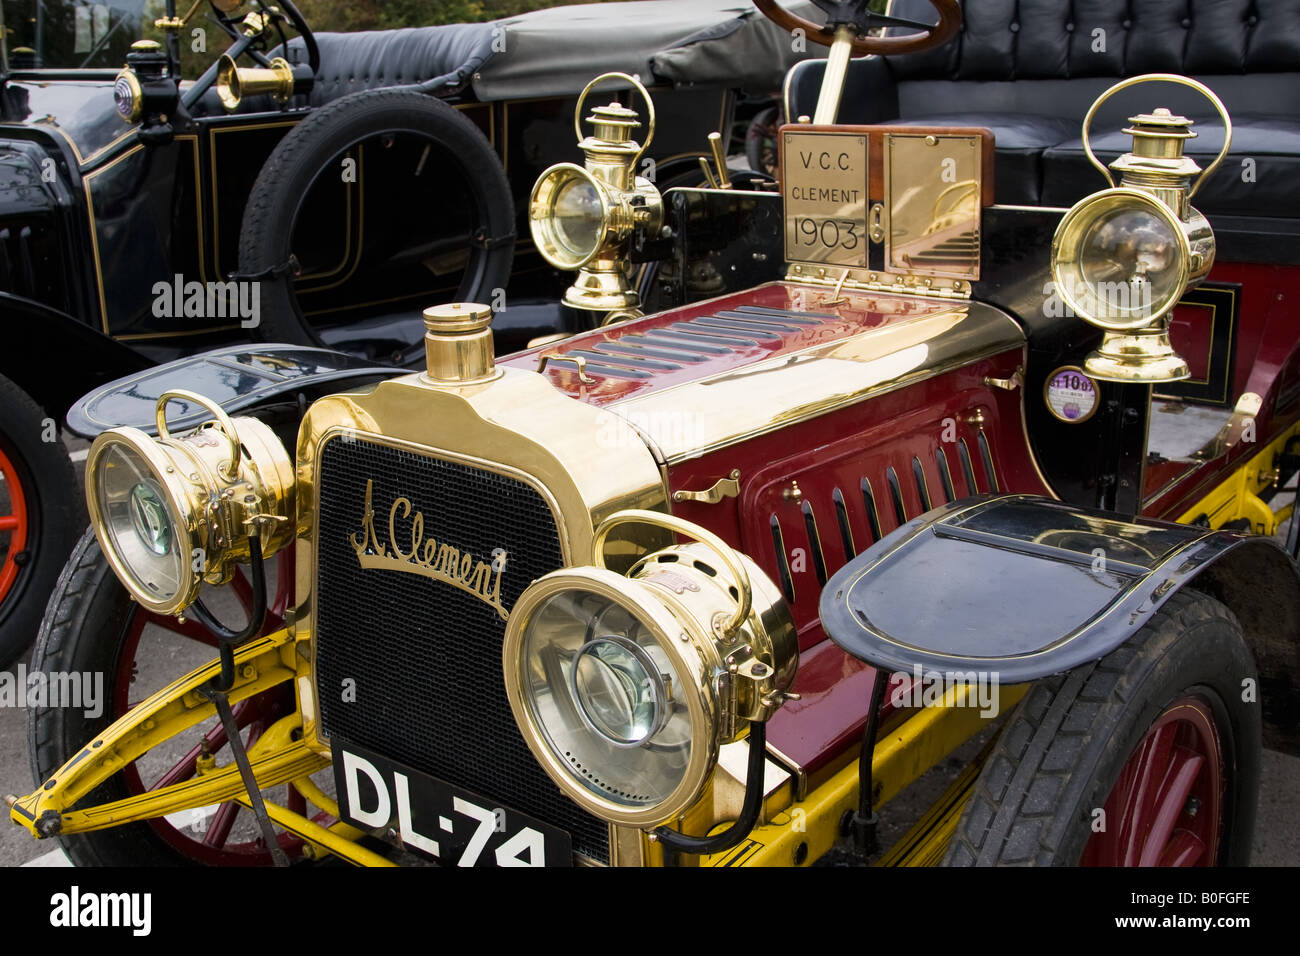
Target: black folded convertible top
558, 51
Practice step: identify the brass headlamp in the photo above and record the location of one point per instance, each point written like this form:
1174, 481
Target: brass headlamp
582, 217
624, 687
172, 513
1123, 257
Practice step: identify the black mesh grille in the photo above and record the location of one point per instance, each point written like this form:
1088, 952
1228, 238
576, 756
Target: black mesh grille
426, 657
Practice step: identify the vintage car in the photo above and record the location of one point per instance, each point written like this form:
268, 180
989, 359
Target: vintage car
884, 466
320, 194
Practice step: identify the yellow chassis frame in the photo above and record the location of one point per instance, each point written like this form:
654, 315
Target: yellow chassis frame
1238, 496
277, 757
802, 831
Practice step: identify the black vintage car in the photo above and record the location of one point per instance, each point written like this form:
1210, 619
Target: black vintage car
310, 189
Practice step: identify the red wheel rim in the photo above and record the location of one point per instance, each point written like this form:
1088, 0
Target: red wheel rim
13, 525
214, 846
1166, 808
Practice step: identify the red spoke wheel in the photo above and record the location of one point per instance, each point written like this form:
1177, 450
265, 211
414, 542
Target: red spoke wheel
95, 628
13, 525
40, 516
1169, 796
1148, 757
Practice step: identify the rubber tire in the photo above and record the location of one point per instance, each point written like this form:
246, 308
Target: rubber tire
265, 233
54, 512
82, 633
1063, 747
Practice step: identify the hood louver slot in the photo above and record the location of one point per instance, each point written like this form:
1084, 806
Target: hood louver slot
721, 336
684, 340
799, 318
638, 353
636, 345
716, 325
596, 353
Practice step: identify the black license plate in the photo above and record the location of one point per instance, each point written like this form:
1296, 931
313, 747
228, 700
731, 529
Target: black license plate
448, 823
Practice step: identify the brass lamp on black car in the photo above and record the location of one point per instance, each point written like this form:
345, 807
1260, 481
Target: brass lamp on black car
1123, 257
582, 217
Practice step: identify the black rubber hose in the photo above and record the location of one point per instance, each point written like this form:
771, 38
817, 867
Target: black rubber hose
864, 822
228, 639
681, 843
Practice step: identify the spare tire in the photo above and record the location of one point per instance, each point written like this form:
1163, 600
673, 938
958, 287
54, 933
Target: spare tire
427, 216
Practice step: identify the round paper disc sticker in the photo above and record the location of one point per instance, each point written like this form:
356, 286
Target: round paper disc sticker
1071, 395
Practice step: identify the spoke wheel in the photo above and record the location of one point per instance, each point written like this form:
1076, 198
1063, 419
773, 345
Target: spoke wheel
1147, 757
40, 516
1168, 800
98, 628
13, 524
339, 230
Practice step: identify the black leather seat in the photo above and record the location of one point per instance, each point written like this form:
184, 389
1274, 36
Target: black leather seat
1029, 69
1259, 177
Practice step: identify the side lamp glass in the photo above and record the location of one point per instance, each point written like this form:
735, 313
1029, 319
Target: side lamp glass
571, 216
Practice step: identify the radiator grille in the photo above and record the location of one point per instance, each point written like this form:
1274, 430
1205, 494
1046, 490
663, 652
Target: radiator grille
425, 656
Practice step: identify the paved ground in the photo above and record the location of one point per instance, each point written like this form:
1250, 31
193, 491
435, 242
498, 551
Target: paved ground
1277, 840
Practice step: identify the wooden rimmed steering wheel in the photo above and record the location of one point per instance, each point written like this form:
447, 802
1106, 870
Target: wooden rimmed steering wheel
855, 15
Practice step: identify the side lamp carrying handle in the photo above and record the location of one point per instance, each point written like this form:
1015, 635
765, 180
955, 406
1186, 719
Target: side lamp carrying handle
1201, 88
645, 95
227, 427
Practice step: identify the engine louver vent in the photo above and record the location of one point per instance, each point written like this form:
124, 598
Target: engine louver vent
859, 517
641, 354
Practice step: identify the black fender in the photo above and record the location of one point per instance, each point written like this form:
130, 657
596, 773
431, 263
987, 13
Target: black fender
242, 379
1019, 587
53, 356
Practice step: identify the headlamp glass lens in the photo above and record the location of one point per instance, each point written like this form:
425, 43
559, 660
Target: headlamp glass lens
579, 219
607, 698
618, 690
124, 98
149, 515
139, 523
1130, 262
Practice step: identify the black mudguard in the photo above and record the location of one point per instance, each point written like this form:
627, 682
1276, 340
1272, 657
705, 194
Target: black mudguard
239, 378
1023, 587
53, 357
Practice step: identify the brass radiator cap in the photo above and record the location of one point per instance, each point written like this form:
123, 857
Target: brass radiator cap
458, 344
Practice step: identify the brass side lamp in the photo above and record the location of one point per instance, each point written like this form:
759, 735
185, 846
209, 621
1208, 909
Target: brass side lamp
583, 217
1124, 256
